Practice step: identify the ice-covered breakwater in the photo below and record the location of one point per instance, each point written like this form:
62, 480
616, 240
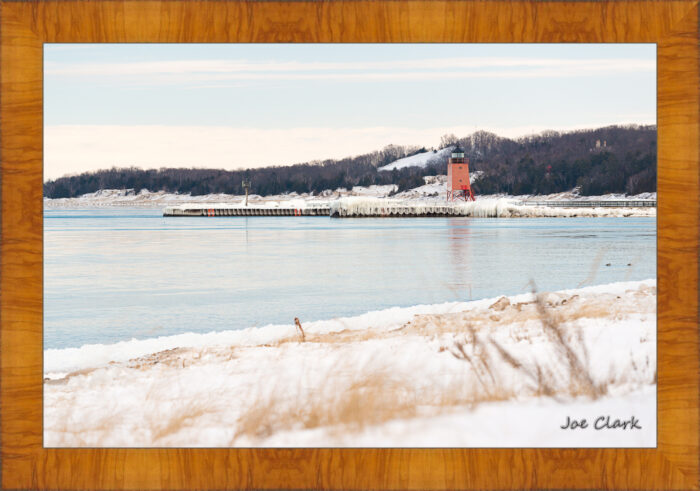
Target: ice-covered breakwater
376, 207
382, 207
270, 208
485, 208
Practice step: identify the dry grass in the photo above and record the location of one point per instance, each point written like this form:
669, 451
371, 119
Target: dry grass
569, 374
573, 353
480, 361
352, 395
181, 357
560, 308
184, 416
63, 380
368, 398
595, 266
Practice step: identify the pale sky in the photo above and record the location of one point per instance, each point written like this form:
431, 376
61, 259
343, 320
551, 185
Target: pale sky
237, 106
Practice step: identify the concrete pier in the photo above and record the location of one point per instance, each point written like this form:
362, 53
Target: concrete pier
234, 210
382, 207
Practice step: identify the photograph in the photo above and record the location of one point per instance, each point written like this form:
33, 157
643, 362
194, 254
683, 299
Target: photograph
350, 245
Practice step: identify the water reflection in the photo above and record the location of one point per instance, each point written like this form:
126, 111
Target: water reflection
461, 260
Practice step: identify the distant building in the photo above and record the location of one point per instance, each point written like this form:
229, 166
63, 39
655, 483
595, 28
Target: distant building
599, 147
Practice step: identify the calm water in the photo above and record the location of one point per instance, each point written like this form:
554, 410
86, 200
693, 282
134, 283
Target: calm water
112, 275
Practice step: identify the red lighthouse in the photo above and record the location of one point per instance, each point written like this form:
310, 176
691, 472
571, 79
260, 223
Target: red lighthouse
458, 185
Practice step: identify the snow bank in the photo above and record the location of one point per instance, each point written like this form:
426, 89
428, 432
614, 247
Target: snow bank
519, 424
422, 376
59, 362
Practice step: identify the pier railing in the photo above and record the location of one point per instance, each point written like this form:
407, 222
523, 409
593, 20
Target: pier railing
235, 210
593, 204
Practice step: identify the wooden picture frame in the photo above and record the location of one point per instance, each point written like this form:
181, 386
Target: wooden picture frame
26, 25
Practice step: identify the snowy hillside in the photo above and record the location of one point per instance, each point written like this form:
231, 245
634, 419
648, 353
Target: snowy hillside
454, 374
418, 160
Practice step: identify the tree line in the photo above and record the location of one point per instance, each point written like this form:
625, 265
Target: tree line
615, 159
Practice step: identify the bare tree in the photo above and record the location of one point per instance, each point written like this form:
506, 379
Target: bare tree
448, 140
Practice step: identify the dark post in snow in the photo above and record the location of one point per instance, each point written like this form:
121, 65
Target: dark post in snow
246, 186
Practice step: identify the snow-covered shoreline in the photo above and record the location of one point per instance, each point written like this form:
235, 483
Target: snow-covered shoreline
428, 375
432, 191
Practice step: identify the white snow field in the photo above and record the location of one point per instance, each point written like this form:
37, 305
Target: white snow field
418, 160
146, 199
504, 371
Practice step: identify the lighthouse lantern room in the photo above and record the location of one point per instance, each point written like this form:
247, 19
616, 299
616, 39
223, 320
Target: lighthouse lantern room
458, 185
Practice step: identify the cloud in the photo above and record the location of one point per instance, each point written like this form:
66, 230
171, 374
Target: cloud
80, 148
199, 71
231, 66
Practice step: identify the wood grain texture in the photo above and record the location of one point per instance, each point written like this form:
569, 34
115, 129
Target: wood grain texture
25, 26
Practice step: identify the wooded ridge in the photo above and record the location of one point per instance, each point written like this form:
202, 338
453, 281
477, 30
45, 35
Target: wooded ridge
613, 159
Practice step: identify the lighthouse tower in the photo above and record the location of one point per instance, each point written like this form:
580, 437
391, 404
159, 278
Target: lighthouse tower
458, 185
